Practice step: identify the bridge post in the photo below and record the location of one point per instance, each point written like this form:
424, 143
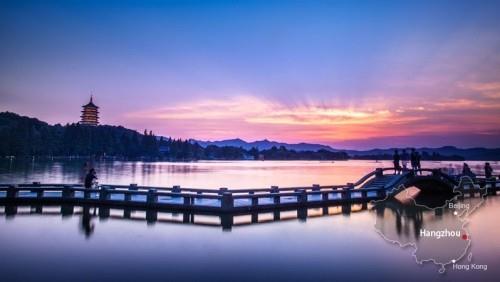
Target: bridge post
176, 189
346, 193
151, 216
222, 190
188, 201
276, 199
255, 201
151, 198
128, 196
255, 217
104, 213
226, 220
276, 215
11, 192
364, 194
67, 192
67, 210
127, 212
379, 172
103, 193
316, 187
302, 197
39, 193
38, 208
346, 208
227, 201
198, 196
275, 191
186, 216
10, 210
302, 214
324, 196
325, 210
86, 194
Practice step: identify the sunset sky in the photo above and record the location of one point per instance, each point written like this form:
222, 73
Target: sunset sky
350, 74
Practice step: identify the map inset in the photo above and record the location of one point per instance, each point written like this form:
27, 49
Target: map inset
436, 231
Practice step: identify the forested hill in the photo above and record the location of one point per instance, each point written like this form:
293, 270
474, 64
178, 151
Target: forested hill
24, 136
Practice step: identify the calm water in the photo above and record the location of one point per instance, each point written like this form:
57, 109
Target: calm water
326, 246
205, 174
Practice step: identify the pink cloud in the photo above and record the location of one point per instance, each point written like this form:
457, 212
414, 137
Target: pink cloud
254, 118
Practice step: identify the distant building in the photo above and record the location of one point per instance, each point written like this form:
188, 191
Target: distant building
90, 114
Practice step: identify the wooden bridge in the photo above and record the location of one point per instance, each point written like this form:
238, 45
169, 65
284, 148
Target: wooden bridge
376, 185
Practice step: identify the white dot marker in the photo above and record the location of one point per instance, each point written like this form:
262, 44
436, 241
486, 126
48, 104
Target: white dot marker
455, 213
453, 261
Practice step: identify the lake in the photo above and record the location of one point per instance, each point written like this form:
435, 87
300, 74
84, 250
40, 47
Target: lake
44, 244
205, 174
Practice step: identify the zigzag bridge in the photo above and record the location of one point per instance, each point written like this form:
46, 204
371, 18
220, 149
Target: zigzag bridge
376, 185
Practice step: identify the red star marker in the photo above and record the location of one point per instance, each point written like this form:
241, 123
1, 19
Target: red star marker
465, 237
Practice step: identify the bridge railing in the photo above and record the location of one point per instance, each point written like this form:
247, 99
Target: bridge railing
222, 199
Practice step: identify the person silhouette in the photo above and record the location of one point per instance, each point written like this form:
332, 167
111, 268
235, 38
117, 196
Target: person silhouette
418, 157
413, 159
90, 178
395, 160
488, 170
466, 171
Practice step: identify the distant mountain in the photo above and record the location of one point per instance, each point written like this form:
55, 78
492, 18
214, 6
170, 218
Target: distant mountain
265, 145
446, 151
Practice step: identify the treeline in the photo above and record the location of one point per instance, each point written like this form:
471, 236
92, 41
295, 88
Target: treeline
23, 136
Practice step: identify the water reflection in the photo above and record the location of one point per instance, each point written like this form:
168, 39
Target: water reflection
203, 174
226, 221
334, 244
402, 217
405, 216
87, 225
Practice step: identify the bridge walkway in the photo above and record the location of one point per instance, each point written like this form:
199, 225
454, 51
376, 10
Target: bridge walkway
374, 186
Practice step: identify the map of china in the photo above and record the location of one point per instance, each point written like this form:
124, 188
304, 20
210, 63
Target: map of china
438, 234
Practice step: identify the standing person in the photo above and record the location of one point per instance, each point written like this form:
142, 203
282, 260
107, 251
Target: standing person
466, 171
413, 160
488, 170
404, 160
395, 160
89, 179
418, 157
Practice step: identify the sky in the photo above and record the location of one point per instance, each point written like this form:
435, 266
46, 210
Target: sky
350, 74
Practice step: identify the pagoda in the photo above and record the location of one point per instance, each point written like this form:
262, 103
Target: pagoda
90, 114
